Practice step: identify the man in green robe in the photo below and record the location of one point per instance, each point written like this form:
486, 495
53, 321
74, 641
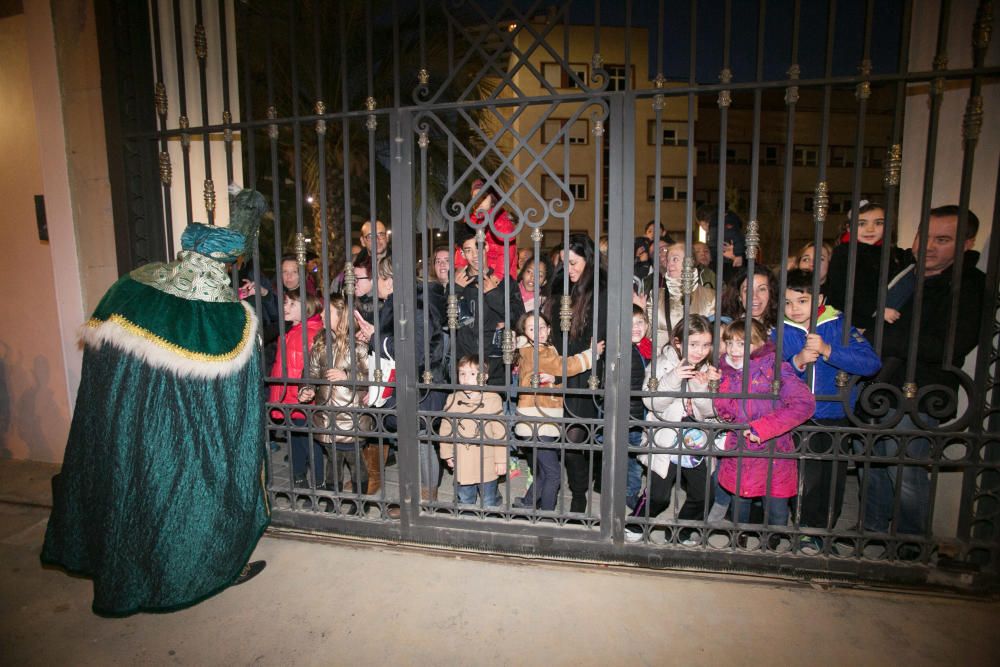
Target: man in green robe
161, 497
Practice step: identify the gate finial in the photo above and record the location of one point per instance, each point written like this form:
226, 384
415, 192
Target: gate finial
752, 239
320, 124
452, 312
509, 338
688, 276
184, 124
725, 96
209, 194
272, 128
821, 202
166, 172
160, 99
350, 280
565, 312
300, 249
893, 165
864, 89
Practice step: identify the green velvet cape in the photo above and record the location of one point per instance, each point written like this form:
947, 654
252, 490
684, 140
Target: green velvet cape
161, 497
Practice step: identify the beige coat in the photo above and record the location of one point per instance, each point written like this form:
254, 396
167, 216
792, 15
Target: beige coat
344, 425
467, 451
530, 404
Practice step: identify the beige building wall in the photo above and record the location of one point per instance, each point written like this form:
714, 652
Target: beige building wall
808, 131
52, 138
581, 158
34, 405
85, 148
949, 149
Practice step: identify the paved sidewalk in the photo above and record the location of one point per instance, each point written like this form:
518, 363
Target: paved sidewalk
337, 602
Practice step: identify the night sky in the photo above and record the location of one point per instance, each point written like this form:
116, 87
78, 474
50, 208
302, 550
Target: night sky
778, 23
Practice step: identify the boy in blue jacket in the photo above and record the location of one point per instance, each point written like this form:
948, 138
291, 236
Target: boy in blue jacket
825, 351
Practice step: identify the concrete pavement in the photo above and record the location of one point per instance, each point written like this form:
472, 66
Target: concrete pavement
335, 602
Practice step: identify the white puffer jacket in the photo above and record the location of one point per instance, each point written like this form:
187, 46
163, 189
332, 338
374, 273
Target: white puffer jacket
670, 409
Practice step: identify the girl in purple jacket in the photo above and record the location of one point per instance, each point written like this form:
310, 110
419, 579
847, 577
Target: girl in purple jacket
770, 423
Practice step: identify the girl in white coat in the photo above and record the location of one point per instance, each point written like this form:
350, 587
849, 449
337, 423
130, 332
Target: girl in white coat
676, 373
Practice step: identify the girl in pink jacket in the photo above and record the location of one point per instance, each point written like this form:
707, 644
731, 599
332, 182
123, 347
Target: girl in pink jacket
751, 471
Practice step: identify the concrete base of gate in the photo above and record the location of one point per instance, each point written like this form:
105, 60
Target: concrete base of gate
344, 603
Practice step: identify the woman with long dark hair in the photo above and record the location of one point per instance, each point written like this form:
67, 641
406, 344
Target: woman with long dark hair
583, 275
761, 295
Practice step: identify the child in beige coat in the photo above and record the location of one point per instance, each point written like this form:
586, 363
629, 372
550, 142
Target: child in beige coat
477, 465
539, 357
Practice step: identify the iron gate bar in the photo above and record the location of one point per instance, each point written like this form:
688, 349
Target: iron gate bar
724, 100
618, 367
200, 53
819, 209
182, 107
854, 214
403, 327
161, 107
985, 534
891, 183
226, 109
791, 98
976, 394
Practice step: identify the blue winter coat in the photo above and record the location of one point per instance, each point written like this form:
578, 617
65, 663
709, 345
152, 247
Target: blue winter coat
857, 358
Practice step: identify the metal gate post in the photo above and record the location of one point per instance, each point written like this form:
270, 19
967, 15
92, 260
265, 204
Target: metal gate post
621, 232
403, 269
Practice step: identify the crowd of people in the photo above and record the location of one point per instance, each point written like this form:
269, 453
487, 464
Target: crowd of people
513, 345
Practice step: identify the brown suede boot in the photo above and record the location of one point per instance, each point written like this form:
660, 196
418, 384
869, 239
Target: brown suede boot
428, 493
370, 454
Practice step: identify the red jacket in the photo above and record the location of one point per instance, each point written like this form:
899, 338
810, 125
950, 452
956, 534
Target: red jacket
771, 420
502, 224
294, 365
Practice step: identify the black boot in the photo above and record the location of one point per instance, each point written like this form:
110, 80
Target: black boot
250, 570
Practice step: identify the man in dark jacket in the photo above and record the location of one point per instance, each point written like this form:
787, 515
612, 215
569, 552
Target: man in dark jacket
936, 365
490, 318
733, 241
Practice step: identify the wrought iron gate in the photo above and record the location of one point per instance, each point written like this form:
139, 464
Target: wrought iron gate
577, 123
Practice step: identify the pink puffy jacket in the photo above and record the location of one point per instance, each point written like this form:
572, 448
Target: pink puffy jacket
771, 420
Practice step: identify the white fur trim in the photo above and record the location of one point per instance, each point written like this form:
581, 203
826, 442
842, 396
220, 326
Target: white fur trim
160, 356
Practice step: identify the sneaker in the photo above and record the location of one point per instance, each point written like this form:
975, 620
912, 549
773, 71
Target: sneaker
633, 534
809, 545
691, 539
